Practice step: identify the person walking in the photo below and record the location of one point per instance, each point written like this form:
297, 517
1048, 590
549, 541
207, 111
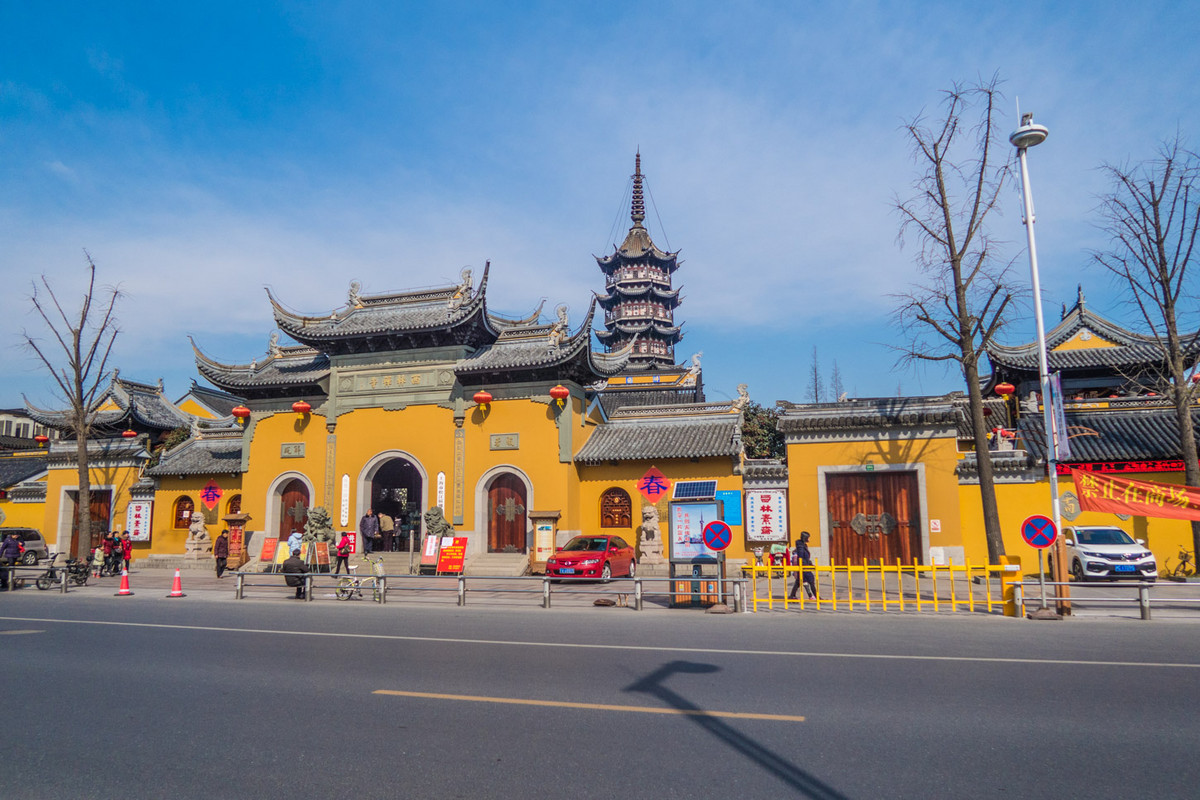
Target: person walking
10, 554
294, 571
344, 546
221, 551
386, 527
803, 557
368, 526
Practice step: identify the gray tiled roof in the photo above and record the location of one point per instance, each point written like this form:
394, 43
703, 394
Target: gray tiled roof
142, 402
662, 434
868, 413
207, 456
15, 470
426, 310
1107, 435
529, 348
293, 366
1130, 348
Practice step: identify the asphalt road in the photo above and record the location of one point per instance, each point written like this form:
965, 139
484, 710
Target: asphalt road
148, 698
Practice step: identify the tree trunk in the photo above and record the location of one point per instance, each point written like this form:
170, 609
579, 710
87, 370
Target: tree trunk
81, 540
983, 459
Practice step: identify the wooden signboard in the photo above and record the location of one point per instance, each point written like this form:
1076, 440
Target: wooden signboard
268, 549
452, 557
237, 540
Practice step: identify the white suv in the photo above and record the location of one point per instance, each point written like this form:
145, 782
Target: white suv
1101, 551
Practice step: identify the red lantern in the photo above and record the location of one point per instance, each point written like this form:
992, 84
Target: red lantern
987, 412
483, 397
560, 393
241, 414
1005, 389
41, 439
1196, 377
301, 408
128, 433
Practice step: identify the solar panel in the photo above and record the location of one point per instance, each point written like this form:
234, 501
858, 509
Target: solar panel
695, 490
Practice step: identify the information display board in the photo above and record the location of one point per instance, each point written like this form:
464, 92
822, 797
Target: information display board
451, 557
687, 521
268, 549
137, 521
766, 515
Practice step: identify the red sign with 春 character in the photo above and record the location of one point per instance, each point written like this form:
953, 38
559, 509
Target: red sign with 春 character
210, 495
1143, 498
654, 485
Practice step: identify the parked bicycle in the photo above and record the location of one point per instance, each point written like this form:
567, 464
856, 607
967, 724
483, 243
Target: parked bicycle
73, 570
352, 585
1184, 567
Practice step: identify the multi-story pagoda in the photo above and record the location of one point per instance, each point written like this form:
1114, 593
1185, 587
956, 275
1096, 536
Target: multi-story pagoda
639, 303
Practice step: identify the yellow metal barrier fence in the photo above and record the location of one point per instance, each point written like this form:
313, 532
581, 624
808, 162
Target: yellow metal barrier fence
883, 587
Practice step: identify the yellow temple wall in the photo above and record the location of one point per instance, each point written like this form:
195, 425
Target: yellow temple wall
23, 515
59, 509
594, 480
190, 406
938, 457
1015, 502
165, 538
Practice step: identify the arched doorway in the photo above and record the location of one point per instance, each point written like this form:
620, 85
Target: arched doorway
293, 507
396, 491
507, 507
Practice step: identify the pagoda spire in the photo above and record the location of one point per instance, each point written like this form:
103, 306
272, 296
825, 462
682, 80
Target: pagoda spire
637, 208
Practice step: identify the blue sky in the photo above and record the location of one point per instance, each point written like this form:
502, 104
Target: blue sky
202, 151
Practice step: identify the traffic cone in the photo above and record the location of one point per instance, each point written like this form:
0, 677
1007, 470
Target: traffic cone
177, 587
124, 590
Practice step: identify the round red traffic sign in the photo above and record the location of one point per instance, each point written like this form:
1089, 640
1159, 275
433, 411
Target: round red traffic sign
717, 535
1039, 531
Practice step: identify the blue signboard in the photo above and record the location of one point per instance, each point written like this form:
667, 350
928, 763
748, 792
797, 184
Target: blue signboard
732, 506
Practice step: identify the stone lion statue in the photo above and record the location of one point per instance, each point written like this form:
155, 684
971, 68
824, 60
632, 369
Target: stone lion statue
650, 539
319, 526
436, 524
198, 541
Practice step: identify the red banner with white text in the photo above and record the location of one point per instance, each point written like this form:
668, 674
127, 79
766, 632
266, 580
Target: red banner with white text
1108, 493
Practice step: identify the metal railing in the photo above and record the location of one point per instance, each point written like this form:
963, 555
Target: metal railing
734, 588
884, 587
1142, 599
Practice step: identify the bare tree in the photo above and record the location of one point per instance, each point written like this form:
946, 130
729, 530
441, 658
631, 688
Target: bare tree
76, 356
1152, 215
837, 386
817, 387
958, 307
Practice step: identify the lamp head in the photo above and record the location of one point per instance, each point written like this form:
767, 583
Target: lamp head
1029, 134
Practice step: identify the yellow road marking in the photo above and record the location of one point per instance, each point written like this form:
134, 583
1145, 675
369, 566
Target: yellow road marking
517, 701
17, 633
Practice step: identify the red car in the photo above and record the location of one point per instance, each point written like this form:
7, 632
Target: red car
593, 557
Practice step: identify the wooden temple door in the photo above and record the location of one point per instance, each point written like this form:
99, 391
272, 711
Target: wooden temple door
874, 517
100, 513
293, 508
506, 514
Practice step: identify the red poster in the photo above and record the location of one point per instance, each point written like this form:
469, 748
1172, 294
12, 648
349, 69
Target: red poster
268, 549
451, 558
1111, 494
653, 485
236, 540
210, 494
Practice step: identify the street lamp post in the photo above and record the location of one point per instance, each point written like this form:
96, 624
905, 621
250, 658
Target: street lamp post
1024, 137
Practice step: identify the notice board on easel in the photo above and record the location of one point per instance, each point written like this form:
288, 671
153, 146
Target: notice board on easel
452, 556
268, 549
429, 553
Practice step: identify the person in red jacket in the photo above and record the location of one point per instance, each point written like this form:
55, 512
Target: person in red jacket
344, 546
126, 549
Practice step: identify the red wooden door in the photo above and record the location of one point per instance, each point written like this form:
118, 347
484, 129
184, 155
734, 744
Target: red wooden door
293, 508
506, 514
874, 517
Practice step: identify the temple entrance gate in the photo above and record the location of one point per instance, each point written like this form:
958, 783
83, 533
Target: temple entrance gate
507, 508
874, 517
396, 490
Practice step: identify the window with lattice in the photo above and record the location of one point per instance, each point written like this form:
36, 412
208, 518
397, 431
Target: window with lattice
616, 510
183, 512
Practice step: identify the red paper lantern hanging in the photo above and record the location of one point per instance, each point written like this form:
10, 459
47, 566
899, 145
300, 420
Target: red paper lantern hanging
483, 397
301, 408
987, 412
41, 439
1005, 389
241, 414
560, 393
128, 433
